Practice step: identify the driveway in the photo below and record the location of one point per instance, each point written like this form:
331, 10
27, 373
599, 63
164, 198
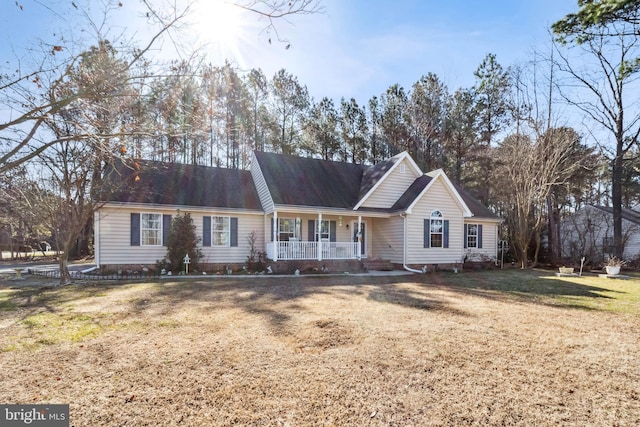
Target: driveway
8, 267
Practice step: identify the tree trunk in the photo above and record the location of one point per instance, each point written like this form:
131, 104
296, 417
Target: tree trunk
11, 240
616, 200
536, 253
69, 240
555, 247
65, 276
523, 258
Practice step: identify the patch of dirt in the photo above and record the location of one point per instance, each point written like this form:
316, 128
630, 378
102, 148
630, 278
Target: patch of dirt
321, 335
322, 351
27, 281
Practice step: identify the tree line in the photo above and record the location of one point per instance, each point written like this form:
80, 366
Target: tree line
505, 138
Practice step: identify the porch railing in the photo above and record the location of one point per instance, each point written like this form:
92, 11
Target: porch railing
294, 250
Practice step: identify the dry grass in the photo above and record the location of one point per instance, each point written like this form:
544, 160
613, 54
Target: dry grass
477, 348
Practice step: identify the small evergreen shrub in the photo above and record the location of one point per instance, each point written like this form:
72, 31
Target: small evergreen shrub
182, 240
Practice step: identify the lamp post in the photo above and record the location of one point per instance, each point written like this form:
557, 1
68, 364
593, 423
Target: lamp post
186, 261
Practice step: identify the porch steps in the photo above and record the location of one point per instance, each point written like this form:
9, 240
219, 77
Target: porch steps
377, 264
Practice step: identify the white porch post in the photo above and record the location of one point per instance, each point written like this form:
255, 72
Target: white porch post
315, 233
359, 237
276, 245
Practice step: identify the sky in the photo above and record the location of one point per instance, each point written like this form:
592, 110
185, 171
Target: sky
355, 48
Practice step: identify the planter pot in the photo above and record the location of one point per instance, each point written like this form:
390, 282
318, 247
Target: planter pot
613, 270
566, 270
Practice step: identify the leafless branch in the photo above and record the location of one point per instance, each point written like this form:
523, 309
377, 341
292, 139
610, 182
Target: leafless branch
273, 10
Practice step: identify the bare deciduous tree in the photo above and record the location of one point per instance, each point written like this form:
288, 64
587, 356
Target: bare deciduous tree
32, 95
274, 10
604, 67
528, 169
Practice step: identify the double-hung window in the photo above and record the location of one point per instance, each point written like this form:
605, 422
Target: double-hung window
286, 229
323, 230
436, 230
151, 229
472, 235
220, 231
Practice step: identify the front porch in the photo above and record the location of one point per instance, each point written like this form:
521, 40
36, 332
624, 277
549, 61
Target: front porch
307, 236
293, 250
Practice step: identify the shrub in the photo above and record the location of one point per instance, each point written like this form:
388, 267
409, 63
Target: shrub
182, 240
256, 259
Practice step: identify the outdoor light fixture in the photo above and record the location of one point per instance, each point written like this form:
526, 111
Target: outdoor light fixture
340, 221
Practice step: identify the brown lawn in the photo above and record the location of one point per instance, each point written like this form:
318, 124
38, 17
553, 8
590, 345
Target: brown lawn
477, 348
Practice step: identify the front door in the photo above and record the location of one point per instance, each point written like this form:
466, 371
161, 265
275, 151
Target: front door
361, 236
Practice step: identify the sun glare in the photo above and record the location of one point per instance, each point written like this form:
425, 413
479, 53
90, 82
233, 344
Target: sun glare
221, 26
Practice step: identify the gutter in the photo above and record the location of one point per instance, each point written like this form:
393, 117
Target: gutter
404, 247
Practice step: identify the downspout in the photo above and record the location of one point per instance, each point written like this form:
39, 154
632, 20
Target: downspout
96, 238
404, 246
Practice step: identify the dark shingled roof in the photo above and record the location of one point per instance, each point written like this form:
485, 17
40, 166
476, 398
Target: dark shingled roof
628, 214
310, 182
181, 184
292, 180
411, 193
477, 209
372, 175
475, 206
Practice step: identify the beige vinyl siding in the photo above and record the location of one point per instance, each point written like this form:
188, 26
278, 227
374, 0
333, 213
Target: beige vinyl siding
261, 186
392, 187
437, 197
489, 241
246, 225
114, 244
388, 239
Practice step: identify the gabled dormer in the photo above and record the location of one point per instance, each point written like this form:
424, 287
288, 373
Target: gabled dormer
384, 183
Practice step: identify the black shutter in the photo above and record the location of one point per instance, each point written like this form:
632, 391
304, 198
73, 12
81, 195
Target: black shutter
312, 231
206, 231
480, 236
445, 234
135, 229
234, 232
466, 226
425, 241
271, 234
166, 227
332, 231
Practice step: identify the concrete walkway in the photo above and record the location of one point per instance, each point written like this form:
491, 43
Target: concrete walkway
257, 276
8, 270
